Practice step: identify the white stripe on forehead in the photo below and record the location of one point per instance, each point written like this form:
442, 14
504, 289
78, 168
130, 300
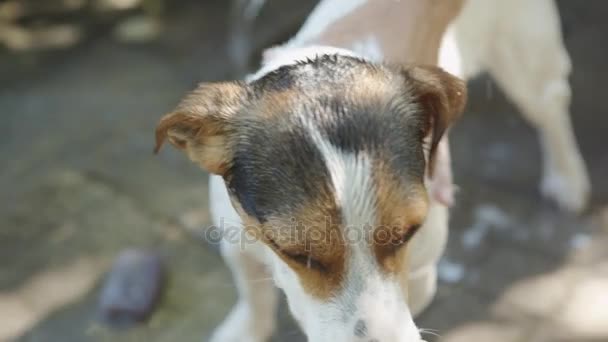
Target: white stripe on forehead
351, 176
366, 294
277, 57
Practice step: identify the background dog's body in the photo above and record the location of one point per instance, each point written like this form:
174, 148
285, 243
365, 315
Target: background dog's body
519, 43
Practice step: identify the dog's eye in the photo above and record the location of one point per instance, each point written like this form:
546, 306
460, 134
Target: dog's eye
306, 260
397, 240
409, 233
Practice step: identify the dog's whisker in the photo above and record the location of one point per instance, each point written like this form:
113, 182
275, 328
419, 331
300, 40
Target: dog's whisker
257, 280
260, 280
290, 333
226, 285
432, 332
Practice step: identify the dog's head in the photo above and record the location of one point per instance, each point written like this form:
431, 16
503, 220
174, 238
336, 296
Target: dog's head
325, 161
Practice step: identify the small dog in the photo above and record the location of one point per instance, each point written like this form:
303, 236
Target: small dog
325, 162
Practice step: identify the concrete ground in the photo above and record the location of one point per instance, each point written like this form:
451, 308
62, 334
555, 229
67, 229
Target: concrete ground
79, 184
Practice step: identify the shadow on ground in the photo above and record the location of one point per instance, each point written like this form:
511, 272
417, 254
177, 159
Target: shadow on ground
80, 184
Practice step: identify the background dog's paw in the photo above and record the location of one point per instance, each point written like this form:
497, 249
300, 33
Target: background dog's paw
571, 190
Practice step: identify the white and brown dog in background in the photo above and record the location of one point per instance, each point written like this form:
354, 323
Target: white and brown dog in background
334, 161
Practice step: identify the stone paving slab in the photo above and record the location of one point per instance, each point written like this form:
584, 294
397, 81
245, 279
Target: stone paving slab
89, 222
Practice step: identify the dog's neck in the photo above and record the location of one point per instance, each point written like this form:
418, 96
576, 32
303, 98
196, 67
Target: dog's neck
398, 31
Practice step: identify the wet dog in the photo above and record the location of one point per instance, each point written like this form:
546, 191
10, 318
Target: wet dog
324, 161
332, 168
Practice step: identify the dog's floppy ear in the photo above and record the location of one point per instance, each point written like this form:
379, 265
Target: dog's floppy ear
442, 97
203, 122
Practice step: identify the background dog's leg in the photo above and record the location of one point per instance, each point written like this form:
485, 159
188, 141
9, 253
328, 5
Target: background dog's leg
424, 253
252, 319
530, 63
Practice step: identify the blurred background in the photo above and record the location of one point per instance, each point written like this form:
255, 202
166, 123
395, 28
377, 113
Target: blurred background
82, 85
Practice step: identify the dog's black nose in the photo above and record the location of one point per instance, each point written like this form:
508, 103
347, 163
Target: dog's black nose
360, 329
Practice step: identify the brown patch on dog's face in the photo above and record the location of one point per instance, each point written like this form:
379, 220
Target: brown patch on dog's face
402, 209
311, 243
308, 239
258, 137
